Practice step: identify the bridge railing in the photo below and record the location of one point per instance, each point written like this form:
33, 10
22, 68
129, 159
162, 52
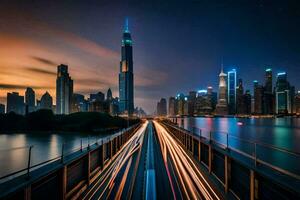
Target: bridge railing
211, 147
28, 158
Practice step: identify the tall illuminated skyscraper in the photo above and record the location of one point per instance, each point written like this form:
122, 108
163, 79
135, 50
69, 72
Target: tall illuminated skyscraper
284, 94
268, 100
64, 90
126, 74
231, 91
222, 108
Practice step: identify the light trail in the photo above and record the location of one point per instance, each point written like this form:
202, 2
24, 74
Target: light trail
106, 182
190, 178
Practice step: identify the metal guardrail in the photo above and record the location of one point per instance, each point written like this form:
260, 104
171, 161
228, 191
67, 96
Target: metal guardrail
29, 167
210, 137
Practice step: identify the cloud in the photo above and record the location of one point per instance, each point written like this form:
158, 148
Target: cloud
43, 60
12, 86
86, 81
41, 71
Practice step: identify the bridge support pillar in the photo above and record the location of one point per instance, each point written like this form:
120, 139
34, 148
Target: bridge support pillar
227, 173
63, 182
199, 150
209, 158
27, 193
88, 168
253, 186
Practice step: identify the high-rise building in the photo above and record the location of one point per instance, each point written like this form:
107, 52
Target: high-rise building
222, 108
172, 106
78, 103
2, 108
231, 91
213, 97
109, 96
203, 102
297, 103
191, 102
46, 101
15, 103
247, 103
258, 98
180, 99
268, 99
64, 90
126, 74
284, 95
240, 97
162, 107
97, 97
30, 99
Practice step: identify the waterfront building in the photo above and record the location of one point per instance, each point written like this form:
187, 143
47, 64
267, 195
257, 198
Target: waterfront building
46, 101
284, 95
231, 91
64, 90
180, 99
185, 106
2, 108
247, 103
162, 107
172, 106
15, 103
222, 108
97, 97
203, 102
126, 74
191, 102
99, 106
109, 96
78, 103
258, 98
114, 106
268, 98
240, 97
30, 99
297, 103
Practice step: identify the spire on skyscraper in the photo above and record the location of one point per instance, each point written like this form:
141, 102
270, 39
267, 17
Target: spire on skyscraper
126, 25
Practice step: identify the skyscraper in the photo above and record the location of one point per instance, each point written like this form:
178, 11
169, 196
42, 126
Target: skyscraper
97, 97
221, 108
240, 97
109, 96
191, 102
30, 99
2, 108
172, 106
15, 103
268, 107
162, 107
126, 105
231, 91
64, 90
297, 103
284, 95
258, 98
46, 101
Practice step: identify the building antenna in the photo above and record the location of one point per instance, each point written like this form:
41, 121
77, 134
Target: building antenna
126, 25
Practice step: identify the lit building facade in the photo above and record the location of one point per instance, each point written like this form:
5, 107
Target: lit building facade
268, 98
126, 104
64, 90
231, 91
284, 95
240, 97
162, 107
172, 111
222, 108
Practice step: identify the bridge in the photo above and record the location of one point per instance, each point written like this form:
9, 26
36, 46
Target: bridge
156, 159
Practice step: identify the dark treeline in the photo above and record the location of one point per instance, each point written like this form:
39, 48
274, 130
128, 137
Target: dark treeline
45, 120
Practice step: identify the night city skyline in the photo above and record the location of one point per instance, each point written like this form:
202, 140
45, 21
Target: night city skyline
178, 47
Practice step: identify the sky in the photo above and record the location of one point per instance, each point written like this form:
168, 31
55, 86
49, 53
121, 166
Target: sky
178, 46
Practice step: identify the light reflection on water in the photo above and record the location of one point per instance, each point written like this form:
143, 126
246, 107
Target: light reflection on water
45, 146
278, 132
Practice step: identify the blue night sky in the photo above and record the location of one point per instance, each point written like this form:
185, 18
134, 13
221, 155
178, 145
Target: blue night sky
178, 45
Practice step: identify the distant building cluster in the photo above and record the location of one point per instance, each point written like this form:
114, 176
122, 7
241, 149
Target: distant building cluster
232, 99
69, 102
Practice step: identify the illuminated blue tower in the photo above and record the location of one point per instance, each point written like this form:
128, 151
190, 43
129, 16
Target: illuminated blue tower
231, 91
126, 104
